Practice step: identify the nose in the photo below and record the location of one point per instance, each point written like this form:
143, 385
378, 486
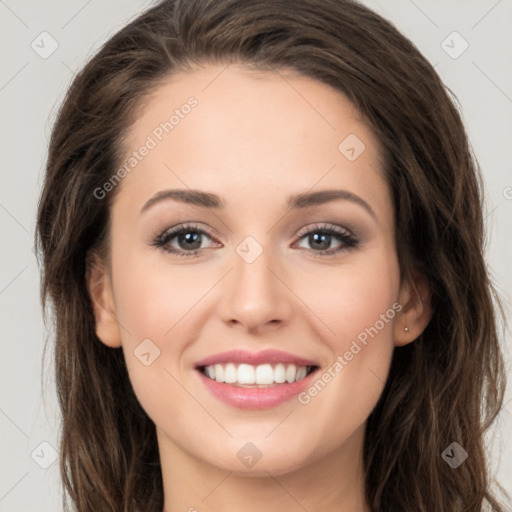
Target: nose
255, 296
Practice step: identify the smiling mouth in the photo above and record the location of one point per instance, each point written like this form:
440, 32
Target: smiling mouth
256, 376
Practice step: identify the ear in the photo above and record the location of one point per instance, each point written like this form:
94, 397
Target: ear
415, 297
100, 292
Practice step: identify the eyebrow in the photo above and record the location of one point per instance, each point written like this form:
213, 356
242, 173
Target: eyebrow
298, 201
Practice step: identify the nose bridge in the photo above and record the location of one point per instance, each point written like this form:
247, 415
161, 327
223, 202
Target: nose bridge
255, 296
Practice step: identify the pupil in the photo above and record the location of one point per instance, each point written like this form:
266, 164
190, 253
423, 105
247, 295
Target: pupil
189, 238
325, 241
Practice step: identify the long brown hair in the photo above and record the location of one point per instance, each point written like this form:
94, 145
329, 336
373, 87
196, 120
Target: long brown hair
446, 386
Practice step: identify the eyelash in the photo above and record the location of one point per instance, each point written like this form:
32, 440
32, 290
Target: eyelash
341, 234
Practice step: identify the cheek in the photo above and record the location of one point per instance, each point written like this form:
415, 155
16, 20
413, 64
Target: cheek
355, 298
360, 310
152, 299
151, 305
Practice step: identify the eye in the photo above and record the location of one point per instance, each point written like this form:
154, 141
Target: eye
321, 236
188, 239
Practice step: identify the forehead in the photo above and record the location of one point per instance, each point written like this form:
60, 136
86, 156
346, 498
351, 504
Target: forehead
230, 128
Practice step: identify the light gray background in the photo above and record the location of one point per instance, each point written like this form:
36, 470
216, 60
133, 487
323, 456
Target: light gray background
31, 88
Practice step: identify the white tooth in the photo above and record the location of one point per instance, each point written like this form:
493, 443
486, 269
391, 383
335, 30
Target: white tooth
301, 373
219, 373
291, 371
279, 373
230, 373
210, 370
264, 374
245, 374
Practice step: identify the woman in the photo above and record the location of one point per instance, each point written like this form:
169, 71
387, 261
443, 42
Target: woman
328, 342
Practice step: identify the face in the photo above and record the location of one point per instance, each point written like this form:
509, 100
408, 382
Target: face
286, 267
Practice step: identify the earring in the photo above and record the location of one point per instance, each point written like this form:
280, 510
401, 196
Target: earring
406, 329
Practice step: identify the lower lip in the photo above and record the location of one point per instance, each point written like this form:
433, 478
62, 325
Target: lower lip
255, 398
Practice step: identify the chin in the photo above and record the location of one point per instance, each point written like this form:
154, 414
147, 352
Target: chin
249, 460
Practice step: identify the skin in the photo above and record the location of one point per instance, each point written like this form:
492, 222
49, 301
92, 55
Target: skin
254, 139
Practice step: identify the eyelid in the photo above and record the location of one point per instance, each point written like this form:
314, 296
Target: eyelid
327, 226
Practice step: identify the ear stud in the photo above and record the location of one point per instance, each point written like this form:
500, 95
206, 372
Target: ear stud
406, 329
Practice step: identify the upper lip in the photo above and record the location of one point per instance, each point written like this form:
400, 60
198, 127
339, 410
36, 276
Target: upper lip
255, 358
